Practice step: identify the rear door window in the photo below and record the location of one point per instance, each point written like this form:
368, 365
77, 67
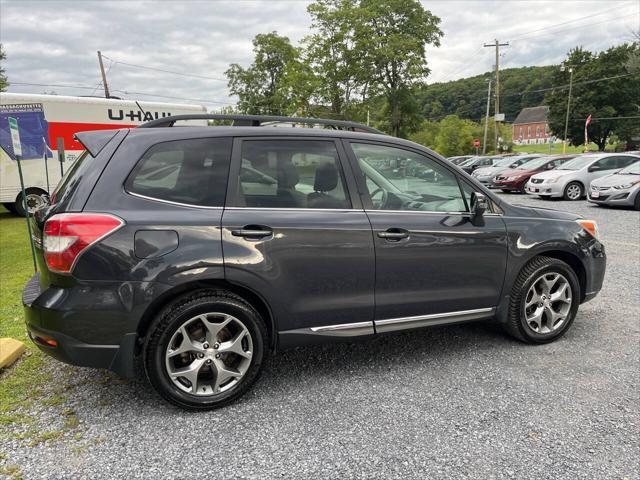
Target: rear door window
191, 172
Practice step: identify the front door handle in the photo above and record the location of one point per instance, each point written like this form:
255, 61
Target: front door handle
394, 234
252, 231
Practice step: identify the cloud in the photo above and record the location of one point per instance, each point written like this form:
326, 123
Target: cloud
55, 42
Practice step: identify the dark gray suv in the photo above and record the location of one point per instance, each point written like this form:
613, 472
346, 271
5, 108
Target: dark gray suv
201, 249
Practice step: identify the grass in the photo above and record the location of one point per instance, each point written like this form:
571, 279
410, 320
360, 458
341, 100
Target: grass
557, 148
22, 382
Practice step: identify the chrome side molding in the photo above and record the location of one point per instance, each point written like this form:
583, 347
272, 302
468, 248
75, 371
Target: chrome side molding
393, 324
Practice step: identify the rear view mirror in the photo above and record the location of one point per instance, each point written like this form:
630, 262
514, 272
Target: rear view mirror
479, 204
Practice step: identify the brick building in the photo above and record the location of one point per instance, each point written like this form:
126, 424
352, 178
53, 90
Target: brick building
530, 126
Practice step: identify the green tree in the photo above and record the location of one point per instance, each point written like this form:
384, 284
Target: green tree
455, 136
391, 36
333, 53
261, 87
426, 134
616, 96
3, 78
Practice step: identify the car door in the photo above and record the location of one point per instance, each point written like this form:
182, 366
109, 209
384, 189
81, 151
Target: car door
295, 233
600, 168
433, 263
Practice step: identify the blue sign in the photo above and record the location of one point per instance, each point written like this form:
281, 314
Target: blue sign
33, 128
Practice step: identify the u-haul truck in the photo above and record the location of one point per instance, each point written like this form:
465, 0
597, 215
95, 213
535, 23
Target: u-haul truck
46, 121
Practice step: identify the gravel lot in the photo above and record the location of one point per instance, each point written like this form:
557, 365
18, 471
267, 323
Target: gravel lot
451, 402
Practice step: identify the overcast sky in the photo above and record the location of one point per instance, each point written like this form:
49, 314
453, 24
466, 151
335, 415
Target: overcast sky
55, 42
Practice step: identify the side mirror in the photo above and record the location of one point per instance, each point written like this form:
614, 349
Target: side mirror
513, 165
594, 168
479, 204
550, 166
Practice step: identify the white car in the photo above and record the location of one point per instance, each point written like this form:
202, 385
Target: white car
572, 179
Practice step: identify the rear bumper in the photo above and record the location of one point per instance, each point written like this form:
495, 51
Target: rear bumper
43, 317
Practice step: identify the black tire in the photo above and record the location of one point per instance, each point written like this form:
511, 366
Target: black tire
506, 191
178, 312
11, 207
516, 324
566, 194
636, 204
19, 205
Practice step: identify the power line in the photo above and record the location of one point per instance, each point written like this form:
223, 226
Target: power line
155, 69
572, 21
126, 92
567, 29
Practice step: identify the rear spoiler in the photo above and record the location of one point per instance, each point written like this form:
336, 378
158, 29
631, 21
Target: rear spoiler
95, 140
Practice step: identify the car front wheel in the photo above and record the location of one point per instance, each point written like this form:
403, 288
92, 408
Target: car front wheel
544, 301
573, 191
205, 350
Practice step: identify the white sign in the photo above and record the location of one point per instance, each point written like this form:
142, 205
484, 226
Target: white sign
499, 117
15, 136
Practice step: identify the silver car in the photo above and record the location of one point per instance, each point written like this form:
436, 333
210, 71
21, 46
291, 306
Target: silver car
618, 189
572, 179
485, 175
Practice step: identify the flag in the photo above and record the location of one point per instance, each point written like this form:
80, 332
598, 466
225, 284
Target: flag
586, 135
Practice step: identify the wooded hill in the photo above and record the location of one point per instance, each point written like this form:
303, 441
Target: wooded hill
467, 97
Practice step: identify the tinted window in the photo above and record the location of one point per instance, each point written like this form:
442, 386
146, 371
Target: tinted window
291, 174
607, 163
399, 179
625, 161
71, 177
190, 171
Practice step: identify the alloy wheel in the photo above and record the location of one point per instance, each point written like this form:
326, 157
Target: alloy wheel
548, 303
574, 192
209, 354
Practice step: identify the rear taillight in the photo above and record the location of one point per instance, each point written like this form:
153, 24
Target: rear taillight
67, 235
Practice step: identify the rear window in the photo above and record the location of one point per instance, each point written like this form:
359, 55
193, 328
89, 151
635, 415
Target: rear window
71, 177
191, 172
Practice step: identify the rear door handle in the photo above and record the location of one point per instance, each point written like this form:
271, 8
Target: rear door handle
252, 231
394, 234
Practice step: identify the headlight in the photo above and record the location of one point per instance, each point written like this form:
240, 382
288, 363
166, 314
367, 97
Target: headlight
513, 178
590, 226
626, 185
554, 180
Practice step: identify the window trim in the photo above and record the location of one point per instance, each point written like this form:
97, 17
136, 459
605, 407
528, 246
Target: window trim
236, 164
138, 163
364, 191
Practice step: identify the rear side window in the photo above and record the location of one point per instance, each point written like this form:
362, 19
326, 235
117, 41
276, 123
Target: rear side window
71, 177
192, 172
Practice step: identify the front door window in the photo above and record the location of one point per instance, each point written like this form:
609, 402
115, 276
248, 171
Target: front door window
399, 179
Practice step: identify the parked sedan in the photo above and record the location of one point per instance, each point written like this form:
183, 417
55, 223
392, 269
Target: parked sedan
476, 162
485, 175
572, 179
618, 189
515, 179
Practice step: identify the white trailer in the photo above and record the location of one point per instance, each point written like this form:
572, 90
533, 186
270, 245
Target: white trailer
46, 121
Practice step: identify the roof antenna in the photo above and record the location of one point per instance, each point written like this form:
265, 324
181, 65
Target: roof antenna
144, 114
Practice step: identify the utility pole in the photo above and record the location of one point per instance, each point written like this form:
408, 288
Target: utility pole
497, 46
486, 120
104, 76
566, 120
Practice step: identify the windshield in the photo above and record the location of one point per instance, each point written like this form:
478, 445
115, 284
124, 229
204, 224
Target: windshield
633, 169
468, 162
505, 162
70, 178
577, 163
533, 164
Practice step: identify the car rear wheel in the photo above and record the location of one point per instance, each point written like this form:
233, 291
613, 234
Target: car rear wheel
573, 191
205, 350
636, 204
544, 301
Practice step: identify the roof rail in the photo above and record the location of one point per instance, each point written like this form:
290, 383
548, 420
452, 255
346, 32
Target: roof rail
258, 120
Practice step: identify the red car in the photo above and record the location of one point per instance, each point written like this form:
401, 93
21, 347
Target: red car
515, 179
